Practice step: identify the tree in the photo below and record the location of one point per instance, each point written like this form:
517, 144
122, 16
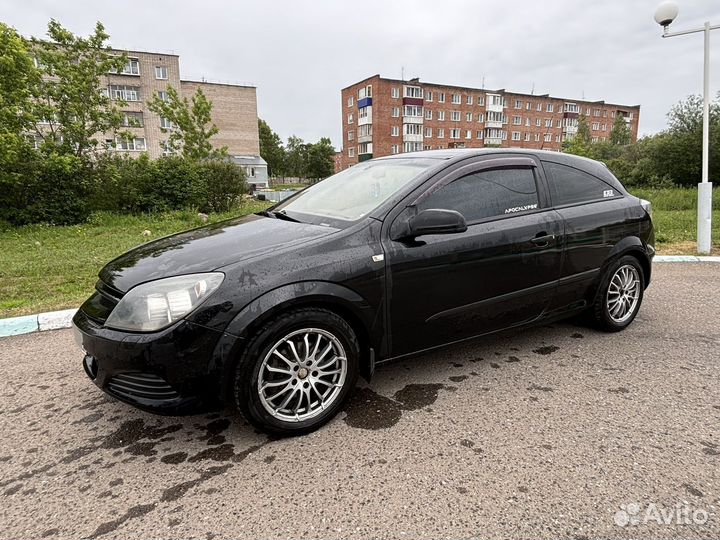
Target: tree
296, 157
71, 105
271, 149
620, 133
320, 159
191, 120
580, 143
18, 78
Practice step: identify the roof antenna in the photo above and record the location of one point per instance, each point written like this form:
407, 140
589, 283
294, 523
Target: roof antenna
402, 73
583, 94
483, 82
532, 92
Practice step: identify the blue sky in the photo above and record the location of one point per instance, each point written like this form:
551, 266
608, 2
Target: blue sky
300, 53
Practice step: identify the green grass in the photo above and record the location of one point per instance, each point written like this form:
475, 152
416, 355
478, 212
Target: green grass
46, 268
280, 187
675, 218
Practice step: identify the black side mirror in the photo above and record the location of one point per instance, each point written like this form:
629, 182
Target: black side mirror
434, 221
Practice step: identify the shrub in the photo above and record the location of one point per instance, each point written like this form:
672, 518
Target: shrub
221, 185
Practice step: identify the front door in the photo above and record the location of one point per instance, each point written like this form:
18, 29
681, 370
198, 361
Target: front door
501, 272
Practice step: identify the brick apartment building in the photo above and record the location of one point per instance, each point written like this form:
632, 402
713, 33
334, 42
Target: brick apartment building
389, 116
147, 74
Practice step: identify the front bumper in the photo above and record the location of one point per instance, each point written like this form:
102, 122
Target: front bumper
174, 371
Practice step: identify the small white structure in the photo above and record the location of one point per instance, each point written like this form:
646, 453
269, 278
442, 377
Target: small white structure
255, 169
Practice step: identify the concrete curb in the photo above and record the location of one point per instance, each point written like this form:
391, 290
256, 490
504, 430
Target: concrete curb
54, 320
36, 323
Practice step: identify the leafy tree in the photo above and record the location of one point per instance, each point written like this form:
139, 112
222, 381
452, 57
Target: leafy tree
296, 157
18, 78
192, 121
620, 133
71, 105
271, 149
580, 143
320, 159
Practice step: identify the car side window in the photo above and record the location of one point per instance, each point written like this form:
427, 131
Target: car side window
487, 194
569, 185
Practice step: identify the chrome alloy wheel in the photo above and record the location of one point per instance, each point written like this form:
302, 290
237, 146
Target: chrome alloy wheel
302, 375
623, 293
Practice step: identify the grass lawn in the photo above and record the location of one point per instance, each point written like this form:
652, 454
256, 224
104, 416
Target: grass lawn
45, 268
675, 219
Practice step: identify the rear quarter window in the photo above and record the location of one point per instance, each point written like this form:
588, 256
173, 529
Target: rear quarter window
569, 185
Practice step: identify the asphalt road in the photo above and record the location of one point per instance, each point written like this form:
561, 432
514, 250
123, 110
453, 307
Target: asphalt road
539, 433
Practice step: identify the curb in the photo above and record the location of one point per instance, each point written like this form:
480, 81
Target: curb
55, 320
41, 322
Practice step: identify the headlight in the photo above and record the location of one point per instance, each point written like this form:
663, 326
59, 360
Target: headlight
157, 304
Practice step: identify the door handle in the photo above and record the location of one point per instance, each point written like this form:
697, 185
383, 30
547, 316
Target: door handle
542, 239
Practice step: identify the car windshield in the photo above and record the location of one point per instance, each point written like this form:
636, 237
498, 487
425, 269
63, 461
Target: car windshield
355, 192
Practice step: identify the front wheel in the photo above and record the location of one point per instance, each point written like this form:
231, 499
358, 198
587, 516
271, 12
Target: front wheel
620, 295
297, 371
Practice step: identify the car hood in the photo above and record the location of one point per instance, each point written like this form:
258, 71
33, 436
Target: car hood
207, 248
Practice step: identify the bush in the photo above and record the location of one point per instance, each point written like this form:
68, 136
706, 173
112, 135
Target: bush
221, 186
50, 188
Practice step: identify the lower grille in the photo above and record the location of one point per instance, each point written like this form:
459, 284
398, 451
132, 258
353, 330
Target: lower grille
141, 385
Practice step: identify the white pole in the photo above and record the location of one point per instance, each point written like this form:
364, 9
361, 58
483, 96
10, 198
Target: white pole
704, 230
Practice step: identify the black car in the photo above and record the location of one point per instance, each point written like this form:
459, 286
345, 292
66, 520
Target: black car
280, 312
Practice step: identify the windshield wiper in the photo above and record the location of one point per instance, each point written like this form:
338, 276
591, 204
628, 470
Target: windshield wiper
279, 214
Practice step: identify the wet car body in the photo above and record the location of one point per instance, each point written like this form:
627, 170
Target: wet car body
401, 296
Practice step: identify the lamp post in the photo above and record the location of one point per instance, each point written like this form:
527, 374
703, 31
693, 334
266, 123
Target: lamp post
665, 14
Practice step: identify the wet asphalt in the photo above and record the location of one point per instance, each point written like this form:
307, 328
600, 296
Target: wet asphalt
555, 431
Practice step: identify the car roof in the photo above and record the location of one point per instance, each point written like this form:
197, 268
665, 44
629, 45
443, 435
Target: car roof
464, 153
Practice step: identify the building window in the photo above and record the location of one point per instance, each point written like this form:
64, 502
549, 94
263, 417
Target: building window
395, 149
527, 136
481, 100
604, 113
136, 144
413, 92
558, 123
351, 152
528, 106
412, 129
396, 112
517, 120
413, 110
428, 96
125, 93
351, 135
548, 122
166, 124
161, 72
537, 137
454, 133
364, 111
412, 146
539, 107
162, 95
595, 126
351, 101
441, 115
455, 116
350, 118
515, 135
428, 132
395, 92
596, 112
132, 119
604, 127
548, 137
167, 148
549, 107
557, 138
527, 121
365, 92
481, 117
441, 97
468, 117
479, 133
365, 148
428, 114
364, 131
395, 131
518, 104
456, 99
538, 122
469, 100
468, 134
441, 133
131, 68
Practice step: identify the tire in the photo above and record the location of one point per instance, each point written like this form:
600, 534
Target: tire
269, 357
619, 295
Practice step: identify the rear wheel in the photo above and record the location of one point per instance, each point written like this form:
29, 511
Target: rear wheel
297, 371
619, 295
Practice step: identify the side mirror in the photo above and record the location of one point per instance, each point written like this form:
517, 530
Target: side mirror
435, 221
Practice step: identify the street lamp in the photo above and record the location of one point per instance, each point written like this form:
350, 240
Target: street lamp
665, 14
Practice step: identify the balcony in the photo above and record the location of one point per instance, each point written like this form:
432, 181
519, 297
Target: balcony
571, 130
364, 102
365, 116
411, 137
364, 138
493, 124
413, 101
412, 119
494, 103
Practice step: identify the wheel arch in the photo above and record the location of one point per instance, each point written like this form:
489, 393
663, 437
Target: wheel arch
364, 320
634, 246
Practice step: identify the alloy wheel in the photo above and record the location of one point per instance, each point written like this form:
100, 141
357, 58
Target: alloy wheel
623, 293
